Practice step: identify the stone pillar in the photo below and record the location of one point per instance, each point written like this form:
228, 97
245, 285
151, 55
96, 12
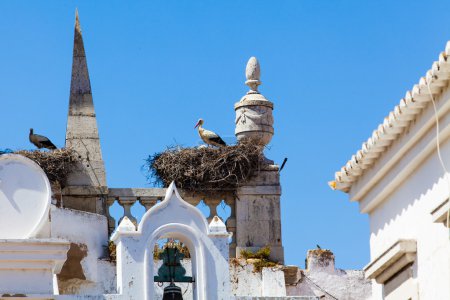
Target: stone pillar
258, 217
320, 259
87, 187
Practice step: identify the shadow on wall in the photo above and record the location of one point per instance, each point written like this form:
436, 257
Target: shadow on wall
423, 181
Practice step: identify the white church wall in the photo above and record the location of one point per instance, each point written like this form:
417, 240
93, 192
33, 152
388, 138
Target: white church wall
406, 214
88, 234
244, 281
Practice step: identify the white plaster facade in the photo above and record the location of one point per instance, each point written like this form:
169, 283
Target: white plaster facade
89, 233
405, 192
172, 218
321, 279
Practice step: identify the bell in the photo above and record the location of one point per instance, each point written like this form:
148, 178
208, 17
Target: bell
172, 292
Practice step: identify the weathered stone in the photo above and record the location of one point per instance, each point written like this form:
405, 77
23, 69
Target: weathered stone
258, 215
82, 134
254, 118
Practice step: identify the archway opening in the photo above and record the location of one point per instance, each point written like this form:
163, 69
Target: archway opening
172, 265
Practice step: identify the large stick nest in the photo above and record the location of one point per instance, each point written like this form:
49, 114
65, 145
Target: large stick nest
205, 169
57, 164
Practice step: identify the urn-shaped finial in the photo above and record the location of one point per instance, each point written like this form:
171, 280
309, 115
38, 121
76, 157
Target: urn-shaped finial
253, 74
254, 112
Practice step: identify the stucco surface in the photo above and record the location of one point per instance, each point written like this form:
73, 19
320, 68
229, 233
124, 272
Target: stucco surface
90, 272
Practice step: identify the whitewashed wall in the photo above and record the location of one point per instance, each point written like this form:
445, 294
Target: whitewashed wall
407, 214
90, 232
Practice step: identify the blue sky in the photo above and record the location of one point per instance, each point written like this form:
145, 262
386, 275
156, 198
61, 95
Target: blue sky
334, 70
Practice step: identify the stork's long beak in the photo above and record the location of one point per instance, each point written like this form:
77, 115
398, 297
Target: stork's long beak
198, 123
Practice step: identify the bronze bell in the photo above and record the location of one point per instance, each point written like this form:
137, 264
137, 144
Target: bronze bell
172, 292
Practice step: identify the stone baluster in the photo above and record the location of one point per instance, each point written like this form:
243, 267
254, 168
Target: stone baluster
126, 203
212, 204
148, 202
111, 221
231, 224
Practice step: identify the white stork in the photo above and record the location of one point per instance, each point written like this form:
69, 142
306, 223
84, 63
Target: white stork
41, 141
208, 136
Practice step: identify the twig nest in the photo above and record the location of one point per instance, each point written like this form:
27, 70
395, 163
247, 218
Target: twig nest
203, 169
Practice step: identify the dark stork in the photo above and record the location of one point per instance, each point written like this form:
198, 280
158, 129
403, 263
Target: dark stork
208, 136
41, 141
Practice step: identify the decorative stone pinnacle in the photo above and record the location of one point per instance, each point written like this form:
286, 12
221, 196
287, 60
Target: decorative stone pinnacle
126, 225
253, 74
77, 21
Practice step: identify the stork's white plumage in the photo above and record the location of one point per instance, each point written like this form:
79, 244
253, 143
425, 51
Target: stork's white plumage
208, 136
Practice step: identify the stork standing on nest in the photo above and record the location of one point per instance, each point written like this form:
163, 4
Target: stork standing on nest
41, 141
208, 136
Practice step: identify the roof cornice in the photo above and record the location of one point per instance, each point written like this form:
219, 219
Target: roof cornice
396, 123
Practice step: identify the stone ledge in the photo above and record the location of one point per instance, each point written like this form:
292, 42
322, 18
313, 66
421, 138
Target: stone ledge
32, 254
439, 214
292, 275
259, 190
399, 255
28, 266
84, 190
137, 192
248, 102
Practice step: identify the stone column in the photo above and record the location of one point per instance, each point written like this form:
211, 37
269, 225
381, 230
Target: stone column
320, 259
258, 217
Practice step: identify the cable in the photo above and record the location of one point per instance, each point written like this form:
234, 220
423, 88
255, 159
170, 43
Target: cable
438, 148
320, 288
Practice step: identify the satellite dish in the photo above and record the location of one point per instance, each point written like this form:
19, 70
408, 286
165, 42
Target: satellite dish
25, 196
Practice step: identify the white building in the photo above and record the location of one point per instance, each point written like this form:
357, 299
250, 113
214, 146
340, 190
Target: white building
399, 181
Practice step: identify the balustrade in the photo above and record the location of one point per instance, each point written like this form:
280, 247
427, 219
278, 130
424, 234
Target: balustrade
148, 197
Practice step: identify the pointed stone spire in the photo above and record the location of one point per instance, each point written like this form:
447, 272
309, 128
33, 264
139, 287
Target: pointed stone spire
80, 84
82, 133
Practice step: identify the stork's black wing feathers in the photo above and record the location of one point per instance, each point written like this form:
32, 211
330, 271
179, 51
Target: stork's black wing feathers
217, 139
48, 144
41, 141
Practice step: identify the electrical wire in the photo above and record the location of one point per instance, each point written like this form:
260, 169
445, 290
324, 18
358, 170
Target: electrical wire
438, 149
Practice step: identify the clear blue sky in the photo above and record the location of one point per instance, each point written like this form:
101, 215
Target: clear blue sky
333, 69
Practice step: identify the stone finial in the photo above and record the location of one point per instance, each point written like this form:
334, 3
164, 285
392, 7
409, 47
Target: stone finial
77, 21
254, 112
253, 74
126, 225
217, 226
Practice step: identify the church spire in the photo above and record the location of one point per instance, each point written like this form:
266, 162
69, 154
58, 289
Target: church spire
82, 132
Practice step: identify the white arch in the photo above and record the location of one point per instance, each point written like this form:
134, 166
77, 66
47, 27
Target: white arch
178, 219
173, 209
188, 236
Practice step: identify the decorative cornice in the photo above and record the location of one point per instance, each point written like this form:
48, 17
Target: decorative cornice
396, 257
439, 214
396, 123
